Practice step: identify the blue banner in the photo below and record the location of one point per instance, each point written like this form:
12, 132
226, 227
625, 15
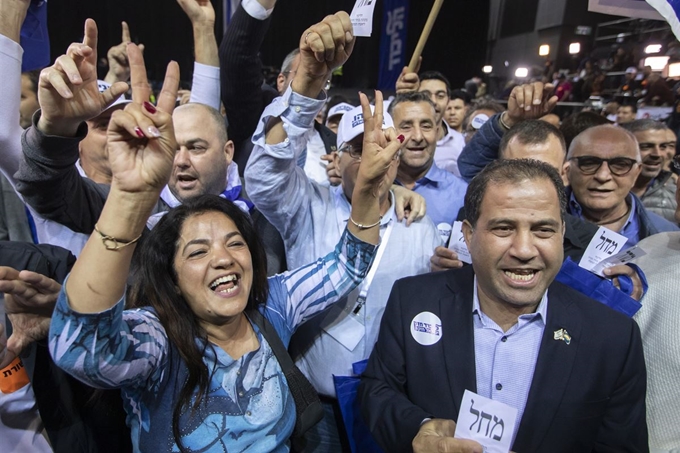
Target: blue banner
670, 10
34, 38
392, 42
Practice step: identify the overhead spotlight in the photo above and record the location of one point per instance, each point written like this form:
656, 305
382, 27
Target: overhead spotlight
506, 63
657, 63
487, 69
574, 48
521, 73
653, 48
674, 70
544, 50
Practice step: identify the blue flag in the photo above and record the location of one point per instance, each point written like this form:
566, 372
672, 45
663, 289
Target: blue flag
393, 42
670, 10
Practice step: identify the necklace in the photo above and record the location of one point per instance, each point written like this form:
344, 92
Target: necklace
609, 222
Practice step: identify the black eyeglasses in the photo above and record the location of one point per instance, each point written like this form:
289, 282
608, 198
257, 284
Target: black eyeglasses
618, 166
353, 151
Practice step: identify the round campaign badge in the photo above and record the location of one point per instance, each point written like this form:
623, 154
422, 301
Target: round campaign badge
426, 328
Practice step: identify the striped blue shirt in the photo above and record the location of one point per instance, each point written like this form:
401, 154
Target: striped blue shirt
505, 361
248, 406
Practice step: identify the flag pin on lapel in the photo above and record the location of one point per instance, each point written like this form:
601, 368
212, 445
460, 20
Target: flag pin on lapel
563, 335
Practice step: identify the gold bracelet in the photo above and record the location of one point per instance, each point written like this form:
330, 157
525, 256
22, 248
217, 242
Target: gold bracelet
361, 226
117, 243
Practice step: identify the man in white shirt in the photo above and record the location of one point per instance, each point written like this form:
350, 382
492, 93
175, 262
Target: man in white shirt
310, 218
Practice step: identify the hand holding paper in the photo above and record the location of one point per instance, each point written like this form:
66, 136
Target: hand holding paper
489, 422
436, 435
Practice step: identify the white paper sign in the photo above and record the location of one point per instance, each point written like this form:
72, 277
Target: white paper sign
457, 243
604, 245
619, 258
362, 17
488, 422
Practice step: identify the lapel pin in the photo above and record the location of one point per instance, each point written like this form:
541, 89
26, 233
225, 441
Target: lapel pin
563, 335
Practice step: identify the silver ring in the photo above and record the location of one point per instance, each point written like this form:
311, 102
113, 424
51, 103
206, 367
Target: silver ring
308, 33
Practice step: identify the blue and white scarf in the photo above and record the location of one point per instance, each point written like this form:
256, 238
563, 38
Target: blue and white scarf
231, 193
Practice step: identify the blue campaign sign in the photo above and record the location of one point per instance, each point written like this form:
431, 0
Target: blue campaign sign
393, 42
34, 38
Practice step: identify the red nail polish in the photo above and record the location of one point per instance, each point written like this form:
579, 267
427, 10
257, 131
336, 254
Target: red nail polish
139, 132
401, 138
149, 107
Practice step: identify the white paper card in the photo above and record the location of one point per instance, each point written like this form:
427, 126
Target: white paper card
605, 244
457, 243
343, 325
362, 17
619, 258
488, 422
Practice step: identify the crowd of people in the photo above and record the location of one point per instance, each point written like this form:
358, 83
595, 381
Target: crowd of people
191, 270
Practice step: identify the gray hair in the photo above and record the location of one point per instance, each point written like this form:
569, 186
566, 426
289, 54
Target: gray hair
646, 124
288, 61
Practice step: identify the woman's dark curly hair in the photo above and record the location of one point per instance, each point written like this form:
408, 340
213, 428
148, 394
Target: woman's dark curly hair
154, 283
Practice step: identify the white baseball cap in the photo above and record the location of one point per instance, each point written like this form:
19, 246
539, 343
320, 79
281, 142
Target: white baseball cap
338, 109
103, 86
352, 124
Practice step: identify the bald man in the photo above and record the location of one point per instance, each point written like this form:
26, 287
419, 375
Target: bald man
603, 163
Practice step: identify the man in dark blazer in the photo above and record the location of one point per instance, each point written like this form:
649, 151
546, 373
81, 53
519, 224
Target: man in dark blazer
583, 389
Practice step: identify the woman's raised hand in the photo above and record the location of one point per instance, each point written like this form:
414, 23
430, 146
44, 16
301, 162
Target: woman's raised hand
141, 139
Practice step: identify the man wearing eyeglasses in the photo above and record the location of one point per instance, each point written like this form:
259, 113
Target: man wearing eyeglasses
603, 164
311, 217
654, 186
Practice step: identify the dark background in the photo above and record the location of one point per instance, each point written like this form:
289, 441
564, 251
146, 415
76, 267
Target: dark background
457, 45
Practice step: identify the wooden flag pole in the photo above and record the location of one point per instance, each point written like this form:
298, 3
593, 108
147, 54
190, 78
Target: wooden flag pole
425, 34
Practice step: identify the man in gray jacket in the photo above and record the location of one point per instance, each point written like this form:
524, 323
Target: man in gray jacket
654, 186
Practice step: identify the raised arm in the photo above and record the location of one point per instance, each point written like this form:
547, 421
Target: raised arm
119, 66
141, 147
241, 70
276, 185
12, 15
312, 288
68, 94
205, 85
526, 102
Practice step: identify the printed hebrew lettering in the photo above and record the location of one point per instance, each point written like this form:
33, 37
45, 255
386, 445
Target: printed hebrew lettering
473, 411
601, 244
612, 248
499, 422
487, 417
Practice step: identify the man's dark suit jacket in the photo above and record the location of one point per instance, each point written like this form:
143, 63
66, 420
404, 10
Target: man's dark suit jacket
585, 396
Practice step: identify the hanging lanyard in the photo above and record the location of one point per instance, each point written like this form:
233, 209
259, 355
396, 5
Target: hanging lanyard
366, 284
